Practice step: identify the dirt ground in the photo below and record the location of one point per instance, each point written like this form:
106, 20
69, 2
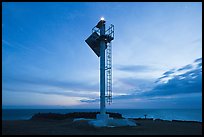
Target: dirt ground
68, 127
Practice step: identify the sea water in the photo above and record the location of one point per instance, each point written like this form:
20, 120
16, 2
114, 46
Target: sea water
165, 114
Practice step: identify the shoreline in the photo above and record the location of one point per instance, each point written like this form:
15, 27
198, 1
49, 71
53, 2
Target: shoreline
146, 126
138, 118
184, 114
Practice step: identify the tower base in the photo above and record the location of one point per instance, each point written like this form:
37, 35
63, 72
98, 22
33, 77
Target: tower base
103, 117
103, 120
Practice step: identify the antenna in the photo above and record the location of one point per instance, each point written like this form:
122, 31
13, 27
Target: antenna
100, 41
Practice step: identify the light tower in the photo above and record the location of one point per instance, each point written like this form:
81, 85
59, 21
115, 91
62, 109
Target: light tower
100, 41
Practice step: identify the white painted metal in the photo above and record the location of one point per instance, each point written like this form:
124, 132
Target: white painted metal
102, 71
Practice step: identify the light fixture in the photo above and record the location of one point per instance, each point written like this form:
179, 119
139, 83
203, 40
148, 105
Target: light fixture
102, 18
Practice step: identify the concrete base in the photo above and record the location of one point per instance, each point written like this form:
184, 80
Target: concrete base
103, 121
103, 117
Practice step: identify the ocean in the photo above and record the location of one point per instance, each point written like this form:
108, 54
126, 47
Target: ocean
165, 114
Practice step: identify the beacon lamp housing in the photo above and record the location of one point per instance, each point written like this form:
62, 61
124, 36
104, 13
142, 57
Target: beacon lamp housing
100, 23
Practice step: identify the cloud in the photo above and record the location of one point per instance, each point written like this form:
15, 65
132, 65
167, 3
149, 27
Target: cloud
176, 92
169, 72
73, 85
189, 82
89, 100
198, 60
197, 64
187, 67
182, 85
134, 68
54, 91
27, 47
138, 83
165, 76
50, 86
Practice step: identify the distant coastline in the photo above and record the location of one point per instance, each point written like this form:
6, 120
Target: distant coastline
165, 114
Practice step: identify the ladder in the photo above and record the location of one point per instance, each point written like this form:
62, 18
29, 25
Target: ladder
109, 73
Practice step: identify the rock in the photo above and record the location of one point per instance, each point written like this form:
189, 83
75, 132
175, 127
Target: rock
56, 116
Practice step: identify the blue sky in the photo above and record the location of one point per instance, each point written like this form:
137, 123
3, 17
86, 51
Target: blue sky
47, 64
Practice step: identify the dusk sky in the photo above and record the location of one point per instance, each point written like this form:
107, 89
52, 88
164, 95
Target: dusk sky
156, 54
